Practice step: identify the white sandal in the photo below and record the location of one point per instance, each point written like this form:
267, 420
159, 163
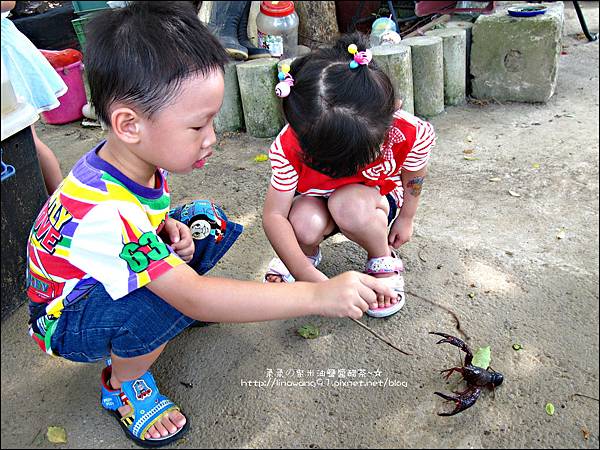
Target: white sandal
277, 267
384, 265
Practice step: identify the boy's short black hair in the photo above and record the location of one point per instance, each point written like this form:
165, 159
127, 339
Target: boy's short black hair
340, 115
141, 53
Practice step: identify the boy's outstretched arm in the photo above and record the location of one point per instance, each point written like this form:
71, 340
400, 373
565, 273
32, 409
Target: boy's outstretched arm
212, 299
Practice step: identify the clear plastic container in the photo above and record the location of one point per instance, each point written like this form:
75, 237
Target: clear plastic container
277, 29
383, 31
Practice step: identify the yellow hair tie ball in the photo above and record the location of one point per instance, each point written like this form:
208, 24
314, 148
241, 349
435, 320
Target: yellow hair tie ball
285, 68
352, 49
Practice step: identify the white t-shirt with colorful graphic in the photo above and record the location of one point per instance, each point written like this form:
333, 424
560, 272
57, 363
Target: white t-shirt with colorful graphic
98, 227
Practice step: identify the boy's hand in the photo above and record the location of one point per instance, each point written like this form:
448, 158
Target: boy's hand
401, 232
181, 238
350, 294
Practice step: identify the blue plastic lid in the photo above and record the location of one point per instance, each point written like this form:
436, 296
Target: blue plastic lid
527, 11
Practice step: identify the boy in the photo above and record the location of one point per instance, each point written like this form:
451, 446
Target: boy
107, 265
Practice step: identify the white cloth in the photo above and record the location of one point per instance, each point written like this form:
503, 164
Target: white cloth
32, 77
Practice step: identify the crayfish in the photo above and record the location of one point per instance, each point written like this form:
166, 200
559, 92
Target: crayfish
476, 377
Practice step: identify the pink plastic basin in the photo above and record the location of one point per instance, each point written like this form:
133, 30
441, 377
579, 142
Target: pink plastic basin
71, 102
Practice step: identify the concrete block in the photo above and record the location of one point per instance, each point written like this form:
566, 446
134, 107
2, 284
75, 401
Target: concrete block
231, 115
263, 114
427, 56
516, 58
454, 41
468, 27
396, 62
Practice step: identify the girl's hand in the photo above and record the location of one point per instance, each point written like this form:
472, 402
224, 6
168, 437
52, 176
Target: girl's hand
401, 232
350, 295
181, 238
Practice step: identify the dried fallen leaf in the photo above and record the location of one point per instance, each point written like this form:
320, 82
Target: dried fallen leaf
561, 233
308, 331
261, 157
469, 151
585, 432
57, 435
495, 179
549, 409
514, 194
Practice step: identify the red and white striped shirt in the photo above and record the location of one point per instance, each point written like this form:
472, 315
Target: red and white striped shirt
406, 147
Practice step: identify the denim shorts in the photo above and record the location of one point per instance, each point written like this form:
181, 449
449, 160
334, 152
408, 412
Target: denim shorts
134, 325
140, 322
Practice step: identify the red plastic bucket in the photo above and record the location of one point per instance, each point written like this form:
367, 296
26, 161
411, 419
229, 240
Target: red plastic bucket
71, 102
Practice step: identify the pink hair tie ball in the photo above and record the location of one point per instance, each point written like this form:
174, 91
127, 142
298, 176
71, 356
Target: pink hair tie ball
360, 58
286, 82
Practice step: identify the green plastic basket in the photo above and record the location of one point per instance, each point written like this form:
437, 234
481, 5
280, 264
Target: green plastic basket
86, 7
79, 26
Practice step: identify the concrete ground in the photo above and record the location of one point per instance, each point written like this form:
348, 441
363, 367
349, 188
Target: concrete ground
514, 269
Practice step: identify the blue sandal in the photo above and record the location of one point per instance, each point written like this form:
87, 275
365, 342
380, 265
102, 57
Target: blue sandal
147, 405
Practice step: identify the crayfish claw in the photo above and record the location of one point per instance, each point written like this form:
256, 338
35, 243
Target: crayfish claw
440, 334
446, 397
453, 340
463, 401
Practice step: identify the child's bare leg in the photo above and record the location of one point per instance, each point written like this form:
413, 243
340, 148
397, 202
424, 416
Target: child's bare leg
311, 222
361, 214
48, 163
127, 369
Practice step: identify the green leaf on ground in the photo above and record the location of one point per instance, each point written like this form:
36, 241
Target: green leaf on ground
471, 295
471, 158
517, 347
561, 233
482, 357
261, 157
308, 331
549, 409
57, 435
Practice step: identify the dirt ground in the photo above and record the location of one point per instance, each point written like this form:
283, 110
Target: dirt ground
518, 268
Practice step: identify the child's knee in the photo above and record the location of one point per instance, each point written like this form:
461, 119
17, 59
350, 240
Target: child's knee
349, 211
309, 230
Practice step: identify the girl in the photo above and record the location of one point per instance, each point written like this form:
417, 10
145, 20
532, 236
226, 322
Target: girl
35, 82
347, 162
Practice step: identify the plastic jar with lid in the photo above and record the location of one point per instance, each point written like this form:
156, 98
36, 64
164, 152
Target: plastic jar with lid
277, 28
